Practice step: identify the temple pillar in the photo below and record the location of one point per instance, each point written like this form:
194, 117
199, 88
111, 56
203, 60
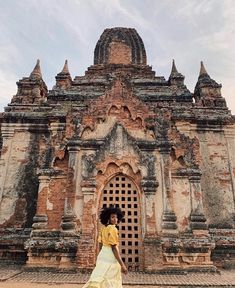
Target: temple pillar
196, 250
69, 217
152, 245
197, 217
68, 225
169, 225
88, 229
40, 220
149, 186
170, 242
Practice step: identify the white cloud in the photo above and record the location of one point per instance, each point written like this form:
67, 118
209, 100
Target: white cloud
7, 90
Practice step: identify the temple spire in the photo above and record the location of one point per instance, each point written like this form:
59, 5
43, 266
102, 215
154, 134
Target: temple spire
65, 69
207, 90
202, 70
175, 78
36, 73
32, 89
63, 79
173, 69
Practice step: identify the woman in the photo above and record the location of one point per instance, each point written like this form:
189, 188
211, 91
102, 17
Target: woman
109, 264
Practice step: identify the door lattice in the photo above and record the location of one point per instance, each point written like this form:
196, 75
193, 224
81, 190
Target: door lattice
121, 192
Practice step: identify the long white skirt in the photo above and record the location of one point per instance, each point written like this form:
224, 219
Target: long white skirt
107, 272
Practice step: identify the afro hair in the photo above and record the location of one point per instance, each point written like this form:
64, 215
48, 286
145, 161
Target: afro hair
107, 211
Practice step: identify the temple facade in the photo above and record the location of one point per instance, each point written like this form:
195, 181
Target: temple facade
119, 135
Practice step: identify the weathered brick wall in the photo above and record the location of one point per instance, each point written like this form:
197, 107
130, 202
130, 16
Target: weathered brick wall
217, 162
19, 160
181, 201
218, 194
119, 53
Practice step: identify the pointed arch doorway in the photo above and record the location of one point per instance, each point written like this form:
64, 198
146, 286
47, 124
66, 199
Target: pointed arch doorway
122, 192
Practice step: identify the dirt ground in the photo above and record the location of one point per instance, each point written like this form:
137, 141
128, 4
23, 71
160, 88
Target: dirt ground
34, 285
13, 278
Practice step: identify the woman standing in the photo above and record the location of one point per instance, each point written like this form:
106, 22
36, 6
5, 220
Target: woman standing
109, 264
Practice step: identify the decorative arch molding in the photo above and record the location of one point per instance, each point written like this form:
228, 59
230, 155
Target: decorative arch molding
124, 152
109, 169
117, 105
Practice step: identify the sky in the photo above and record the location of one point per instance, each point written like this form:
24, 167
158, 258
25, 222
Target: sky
54, 30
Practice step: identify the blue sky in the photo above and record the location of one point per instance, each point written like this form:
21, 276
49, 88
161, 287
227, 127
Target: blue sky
54, 30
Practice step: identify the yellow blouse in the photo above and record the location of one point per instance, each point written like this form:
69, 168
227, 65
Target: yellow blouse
108, 235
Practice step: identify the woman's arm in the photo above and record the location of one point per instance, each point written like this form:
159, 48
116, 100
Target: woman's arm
118, 257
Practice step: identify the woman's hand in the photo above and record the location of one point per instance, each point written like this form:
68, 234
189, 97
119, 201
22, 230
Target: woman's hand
119, 259
124, 269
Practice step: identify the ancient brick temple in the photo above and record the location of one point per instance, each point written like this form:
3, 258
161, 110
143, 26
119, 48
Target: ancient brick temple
118, 135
